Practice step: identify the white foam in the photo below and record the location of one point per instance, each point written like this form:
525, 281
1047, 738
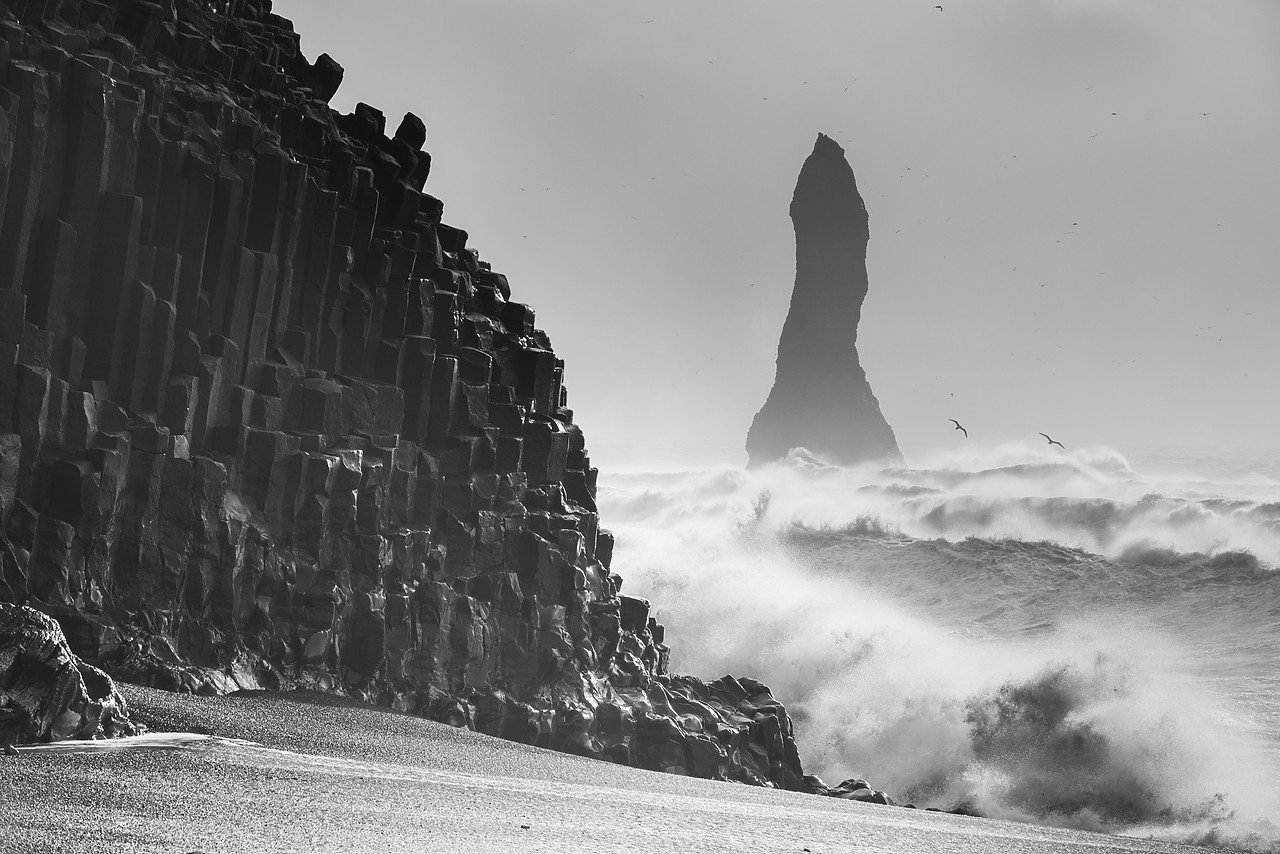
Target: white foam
886, 649
146, 741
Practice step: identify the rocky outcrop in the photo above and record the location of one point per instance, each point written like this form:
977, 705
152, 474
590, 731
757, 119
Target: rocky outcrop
267, 421
46, 693
821, 400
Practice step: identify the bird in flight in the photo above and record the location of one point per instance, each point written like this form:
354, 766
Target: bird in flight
959, 427
1053, 441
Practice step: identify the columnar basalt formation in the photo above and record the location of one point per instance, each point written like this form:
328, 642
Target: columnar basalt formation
821, 400
266, 420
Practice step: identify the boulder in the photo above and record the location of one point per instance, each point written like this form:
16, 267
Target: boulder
46, 692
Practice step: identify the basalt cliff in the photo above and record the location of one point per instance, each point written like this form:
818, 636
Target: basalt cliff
267, 421
821, 399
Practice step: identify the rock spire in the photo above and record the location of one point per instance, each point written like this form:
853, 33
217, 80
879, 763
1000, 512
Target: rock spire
821, 400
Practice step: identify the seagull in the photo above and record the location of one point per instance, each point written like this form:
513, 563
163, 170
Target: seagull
1053, 441
959, 427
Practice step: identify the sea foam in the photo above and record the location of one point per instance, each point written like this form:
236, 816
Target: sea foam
1045, 637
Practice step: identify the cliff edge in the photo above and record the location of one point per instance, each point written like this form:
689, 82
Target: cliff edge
267, 421
821, 399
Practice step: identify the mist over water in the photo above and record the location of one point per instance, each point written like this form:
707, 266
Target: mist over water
1064, 638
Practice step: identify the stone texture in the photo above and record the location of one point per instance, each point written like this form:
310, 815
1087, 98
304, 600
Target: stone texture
46, 692
266, 421
821, 399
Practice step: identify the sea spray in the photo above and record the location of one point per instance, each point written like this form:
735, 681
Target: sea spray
956, 662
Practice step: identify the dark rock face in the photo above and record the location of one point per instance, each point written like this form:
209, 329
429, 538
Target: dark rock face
46, 692
267, 421
821, 399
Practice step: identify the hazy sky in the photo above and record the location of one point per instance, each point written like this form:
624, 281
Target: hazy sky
1075, 204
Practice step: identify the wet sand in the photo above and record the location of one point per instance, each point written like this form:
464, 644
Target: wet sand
273, 772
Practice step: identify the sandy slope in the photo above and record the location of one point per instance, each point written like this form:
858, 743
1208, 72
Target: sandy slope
294, 773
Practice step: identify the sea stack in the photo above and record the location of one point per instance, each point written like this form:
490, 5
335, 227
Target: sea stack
821, 399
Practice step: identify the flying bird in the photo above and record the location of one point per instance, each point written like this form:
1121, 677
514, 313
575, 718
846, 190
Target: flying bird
939, 8
1053, 441
959, 427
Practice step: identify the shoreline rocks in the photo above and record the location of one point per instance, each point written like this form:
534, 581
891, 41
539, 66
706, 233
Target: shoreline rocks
46, 692
268, 421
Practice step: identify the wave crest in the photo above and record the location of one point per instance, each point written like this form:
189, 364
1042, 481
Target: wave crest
1053, 640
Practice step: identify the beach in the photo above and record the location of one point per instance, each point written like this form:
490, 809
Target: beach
303, 772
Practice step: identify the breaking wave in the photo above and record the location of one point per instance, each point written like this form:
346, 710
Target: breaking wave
1053, 638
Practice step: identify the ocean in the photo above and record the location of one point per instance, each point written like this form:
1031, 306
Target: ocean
1071, 638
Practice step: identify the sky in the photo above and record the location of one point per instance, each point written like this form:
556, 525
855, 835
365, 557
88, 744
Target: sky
1074, 204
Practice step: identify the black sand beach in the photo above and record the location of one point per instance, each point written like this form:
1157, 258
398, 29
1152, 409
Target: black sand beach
294, 772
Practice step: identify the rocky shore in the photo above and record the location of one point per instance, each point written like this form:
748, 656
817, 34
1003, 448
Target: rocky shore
48, 693
267, 421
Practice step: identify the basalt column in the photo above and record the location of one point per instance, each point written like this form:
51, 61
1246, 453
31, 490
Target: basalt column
821, 400
268, 421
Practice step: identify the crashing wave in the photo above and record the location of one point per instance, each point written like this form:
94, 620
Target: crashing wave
1060, 640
